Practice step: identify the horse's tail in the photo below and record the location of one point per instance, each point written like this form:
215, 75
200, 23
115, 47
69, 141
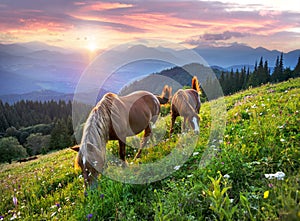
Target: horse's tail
165, 95
195, 84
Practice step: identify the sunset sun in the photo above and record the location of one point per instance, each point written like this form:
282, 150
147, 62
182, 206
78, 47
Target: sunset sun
92, 46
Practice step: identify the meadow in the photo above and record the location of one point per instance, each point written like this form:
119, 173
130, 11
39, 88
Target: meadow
261, 137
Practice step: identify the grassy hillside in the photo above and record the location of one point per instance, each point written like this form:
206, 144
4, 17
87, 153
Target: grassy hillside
261, 137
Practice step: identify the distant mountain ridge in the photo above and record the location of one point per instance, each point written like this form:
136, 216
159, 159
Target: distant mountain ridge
42, 95
29, 67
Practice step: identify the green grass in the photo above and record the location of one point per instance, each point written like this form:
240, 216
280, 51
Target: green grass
261, 137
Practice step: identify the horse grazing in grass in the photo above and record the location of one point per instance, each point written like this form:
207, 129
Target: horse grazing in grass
114, 118
186, 103
165, 95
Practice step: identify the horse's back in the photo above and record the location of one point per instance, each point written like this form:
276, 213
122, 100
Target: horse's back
140, 100
137, 110
183, 100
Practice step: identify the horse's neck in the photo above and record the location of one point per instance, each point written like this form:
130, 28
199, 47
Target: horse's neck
95, 131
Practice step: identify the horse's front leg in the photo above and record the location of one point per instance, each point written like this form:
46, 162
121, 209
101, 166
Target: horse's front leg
173, 119
184, 124
144, 141
122, 151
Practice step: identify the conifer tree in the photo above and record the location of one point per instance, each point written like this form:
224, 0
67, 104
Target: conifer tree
296, 71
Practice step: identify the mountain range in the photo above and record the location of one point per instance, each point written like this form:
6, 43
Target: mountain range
54, 72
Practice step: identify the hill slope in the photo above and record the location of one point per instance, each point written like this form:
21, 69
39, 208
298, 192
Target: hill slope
261, 137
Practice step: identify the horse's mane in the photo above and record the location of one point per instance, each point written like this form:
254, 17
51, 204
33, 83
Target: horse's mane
195, 84
98, 122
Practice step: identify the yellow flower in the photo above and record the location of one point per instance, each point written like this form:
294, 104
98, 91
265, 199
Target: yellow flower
266, 194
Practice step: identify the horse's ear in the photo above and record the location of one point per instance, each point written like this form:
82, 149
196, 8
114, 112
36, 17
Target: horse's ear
75, 148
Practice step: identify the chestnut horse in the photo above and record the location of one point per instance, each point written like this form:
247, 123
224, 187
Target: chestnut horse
186, 103
165, 95
114, 118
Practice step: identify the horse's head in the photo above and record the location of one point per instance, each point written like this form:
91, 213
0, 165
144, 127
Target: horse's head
89, 172
194, 121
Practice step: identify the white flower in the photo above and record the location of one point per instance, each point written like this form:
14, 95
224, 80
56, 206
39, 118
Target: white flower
195, 153
188, 176
231, 200
226, 176
14, 217
278, 175
176, 167
282, 140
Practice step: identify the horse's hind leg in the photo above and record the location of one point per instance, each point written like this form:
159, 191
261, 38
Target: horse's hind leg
144, 141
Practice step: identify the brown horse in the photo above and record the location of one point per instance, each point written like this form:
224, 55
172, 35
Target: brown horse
186, 103
115, 118
165, 95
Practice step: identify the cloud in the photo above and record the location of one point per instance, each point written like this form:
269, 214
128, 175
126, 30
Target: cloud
213, 38
175, 20
223, 36
8, 38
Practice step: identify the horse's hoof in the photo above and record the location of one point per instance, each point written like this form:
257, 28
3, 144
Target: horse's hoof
124, 164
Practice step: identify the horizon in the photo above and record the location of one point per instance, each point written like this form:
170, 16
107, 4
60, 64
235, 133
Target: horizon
97, 50
91, 26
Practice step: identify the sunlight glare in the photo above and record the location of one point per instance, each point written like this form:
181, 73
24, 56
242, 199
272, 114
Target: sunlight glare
92, 46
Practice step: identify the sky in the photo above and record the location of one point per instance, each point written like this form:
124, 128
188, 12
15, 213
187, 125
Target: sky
91, 25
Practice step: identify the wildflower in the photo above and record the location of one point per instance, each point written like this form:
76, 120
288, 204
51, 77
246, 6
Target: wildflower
195, 153
266, 194
101, 195
1, 217
14, 217
222, 163
176, 167
89, 216
282, 140
226, 176
188, 176
53, 214
277, 175
231, 200
57, 205
270, 185
15, 201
